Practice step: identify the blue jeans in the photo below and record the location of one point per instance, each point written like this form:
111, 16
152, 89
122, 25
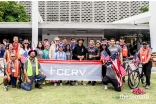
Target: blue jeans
40, 79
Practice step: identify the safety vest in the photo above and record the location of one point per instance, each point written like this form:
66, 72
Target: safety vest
29, 67
144, 54
14, 71
8, 55
124, 51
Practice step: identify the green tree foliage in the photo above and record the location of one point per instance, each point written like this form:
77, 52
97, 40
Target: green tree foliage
144, 9
10, 11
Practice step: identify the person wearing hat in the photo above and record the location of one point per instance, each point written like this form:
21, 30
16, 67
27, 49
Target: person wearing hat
125, 51
145, 55
32, 71
12, 72
104, 49
24, 51
80, 53
60, 55
23, 55
46, 51
57, 42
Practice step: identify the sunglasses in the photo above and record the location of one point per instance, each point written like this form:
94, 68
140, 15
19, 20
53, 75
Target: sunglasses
144, 44
12, 56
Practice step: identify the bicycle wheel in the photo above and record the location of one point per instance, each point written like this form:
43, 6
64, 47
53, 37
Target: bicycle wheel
134, 79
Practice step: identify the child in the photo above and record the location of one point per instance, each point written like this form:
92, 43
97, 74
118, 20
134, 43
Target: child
60, 55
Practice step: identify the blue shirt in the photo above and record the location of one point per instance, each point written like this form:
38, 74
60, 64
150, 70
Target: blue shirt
72, 46
60, 55
2, 51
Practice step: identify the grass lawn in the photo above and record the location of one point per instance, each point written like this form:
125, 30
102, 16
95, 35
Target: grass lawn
76, 95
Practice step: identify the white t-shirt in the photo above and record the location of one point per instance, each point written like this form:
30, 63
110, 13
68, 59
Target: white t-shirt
22, 51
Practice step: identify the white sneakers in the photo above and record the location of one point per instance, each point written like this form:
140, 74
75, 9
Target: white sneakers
147, 87
76, 83
56, 84
105, 87
5, 88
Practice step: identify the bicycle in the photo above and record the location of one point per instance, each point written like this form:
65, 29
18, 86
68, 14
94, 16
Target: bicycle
134, 74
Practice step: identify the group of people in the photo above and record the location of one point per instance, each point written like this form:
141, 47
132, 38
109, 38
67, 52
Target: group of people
18, 56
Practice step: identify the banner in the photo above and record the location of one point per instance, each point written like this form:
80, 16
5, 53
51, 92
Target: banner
71, 70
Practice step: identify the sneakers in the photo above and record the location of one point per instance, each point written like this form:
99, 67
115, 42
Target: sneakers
83, 83
70, 84
60, 84
76, 83
147, 87
105, 87
55, 84
5, 88
89, 82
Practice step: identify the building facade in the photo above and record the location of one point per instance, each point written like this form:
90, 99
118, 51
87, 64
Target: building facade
86, 11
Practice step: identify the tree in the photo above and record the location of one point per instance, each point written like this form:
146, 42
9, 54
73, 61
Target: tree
144, 9
11, 11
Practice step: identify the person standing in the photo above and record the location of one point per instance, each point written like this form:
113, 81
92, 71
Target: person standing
39, 49
125, 51
64, 43
12, 72
46, 51
8, 53
93, 54
60, 55
32, 71
145, 56
23, 55
98, 46
110, 73
52, 50
5, 42
73, 44
16, 46
80, 53
104, 49
24, 51
2, 51
68, 57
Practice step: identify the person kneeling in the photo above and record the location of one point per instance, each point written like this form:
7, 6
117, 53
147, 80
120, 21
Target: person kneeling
32, 72
12, 72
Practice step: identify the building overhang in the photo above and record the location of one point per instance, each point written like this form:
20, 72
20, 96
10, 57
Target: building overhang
55, 25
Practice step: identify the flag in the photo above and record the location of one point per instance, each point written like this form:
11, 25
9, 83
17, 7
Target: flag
116, 67
136, 60
105, 56
123, 71
24, 57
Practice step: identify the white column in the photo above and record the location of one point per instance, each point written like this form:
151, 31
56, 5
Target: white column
34, 21
152, 24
